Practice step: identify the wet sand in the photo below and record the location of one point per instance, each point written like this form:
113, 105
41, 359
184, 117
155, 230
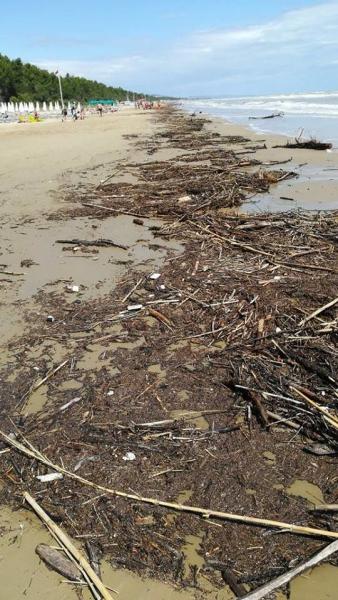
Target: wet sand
38, 163
316, 188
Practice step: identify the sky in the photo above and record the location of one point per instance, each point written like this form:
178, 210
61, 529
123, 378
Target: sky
181, 48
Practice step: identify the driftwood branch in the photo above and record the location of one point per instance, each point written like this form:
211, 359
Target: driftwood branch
101, 242
266, 589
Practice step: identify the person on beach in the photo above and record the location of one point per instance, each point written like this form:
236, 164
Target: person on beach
73, 110
64, 114
100, 109
82, 113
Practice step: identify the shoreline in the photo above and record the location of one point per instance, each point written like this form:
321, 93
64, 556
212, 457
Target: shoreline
317, 185
227, 287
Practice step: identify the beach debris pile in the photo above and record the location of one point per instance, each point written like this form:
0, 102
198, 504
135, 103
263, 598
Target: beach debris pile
216, 172
214, 391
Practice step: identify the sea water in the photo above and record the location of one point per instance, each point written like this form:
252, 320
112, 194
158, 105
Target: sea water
315, 115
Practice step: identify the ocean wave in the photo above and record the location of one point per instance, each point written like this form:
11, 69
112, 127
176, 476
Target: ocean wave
316, 104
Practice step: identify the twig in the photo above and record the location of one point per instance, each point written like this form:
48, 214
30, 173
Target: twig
133, 290
331, 419
114, 210
318, 311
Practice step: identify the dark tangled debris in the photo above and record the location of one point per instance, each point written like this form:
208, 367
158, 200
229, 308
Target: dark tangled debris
211, 392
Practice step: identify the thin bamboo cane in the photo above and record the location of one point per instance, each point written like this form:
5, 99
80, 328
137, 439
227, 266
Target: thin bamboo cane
203, 512
64, 539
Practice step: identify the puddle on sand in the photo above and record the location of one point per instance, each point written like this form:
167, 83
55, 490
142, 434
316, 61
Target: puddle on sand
71, 384
315, 195
304, 489
319, 584
269, 457
191, 416
127, 345
191, 546
157, 370
23, 575
36, 401
178, 345
91, 361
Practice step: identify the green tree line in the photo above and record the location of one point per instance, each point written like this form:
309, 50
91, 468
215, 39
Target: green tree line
24, 82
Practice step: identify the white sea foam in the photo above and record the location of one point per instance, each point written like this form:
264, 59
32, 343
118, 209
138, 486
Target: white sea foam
316, 113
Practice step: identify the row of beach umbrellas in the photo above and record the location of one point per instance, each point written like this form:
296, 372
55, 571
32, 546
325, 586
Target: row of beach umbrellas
24, 107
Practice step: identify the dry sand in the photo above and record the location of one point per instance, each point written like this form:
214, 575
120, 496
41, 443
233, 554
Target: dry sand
38, 161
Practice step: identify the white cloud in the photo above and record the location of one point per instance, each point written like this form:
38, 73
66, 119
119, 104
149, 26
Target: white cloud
281, 52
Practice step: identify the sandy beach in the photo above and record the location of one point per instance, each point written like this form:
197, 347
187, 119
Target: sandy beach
48, 171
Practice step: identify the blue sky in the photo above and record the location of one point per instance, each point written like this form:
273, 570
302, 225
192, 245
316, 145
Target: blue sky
182, 47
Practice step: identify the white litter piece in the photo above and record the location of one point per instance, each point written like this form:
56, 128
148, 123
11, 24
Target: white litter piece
162, 287
184, 199
129, 456
110, 393
135, 306
49, 477
277, 277
155, 276
278, 330
73, 288
68, 404
50, 319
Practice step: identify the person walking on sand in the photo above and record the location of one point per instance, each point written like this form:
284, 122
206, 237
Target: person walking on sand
100, 109
64, 114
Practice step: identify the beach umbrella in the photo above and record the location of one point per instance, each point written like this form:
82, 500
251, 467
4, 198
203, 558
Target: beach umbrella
51, 108
44, 107
10, 107
37, 107
16, 107
69, 106
57, 106
31, 107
